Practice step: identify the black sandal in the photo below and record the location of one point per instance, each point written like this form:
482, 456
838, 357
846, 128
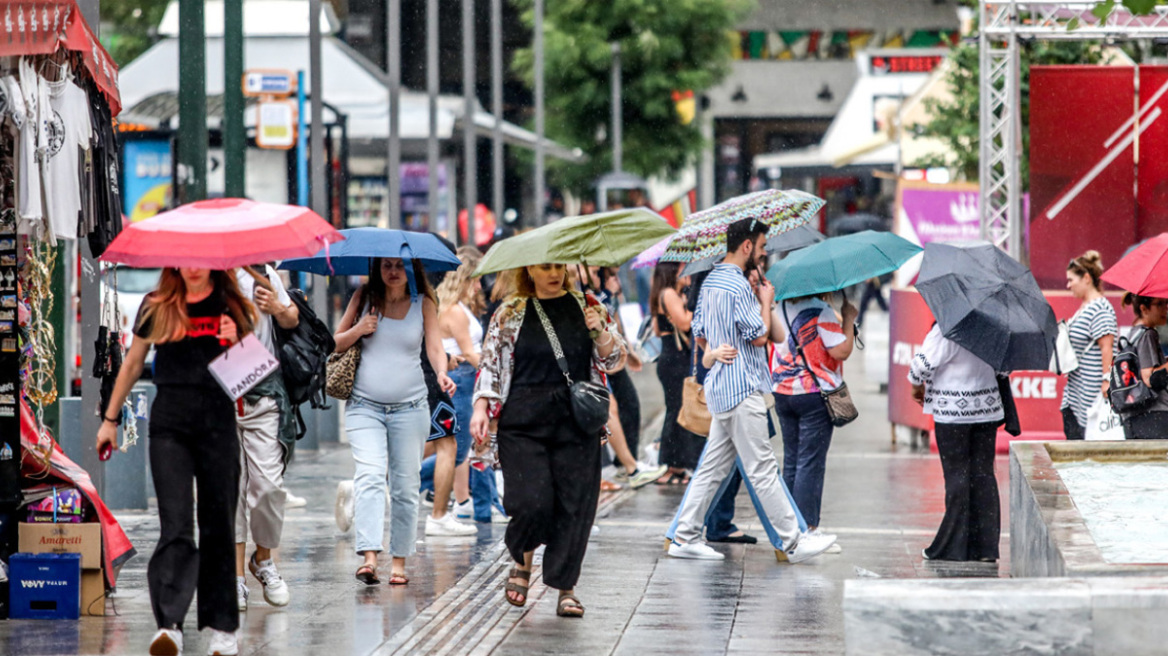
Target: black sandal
517, 588
569, 606
367, 574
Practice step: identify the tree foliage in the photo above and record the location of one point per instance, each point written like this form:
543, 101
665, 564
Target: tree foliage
956, 121
666, 45
128, 27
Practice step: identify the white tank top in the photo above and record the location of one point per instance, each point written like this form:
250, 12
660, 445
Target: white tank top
396, 346
450, 345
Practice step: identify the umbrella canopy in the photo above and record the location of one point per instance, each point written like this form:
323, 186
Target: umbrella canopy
608, 239
988, 303
851, 223
651, 255
222, 234
1143, 269
703, 235
352, 256
792, 240
839, 262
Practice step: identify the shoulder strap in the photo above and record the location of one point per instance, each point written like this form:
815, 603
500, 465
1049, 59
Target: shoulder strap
799, 349
555, 341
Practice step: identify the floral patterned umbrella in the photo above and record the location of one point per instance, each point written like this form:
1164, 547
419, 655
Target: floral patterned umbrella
703, 235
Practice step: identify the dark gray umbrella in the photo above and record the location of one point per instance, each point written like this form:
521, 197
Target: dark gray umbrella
989, 303
852, 223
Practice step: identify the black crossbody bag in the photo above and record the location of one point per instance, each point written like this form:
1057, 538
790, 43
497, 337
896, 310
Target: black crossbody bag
589, 400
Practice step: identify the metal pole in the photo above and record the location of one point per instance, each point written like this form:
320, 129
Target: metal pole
432, 81
234, 133
192, 102
497, 106
326, 427
301, 143
617, 155
540, 166
393, 69
470, 160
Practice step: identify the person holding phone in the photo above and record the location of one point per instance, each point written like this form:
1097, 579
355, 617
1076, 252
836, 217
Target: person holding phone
190, 319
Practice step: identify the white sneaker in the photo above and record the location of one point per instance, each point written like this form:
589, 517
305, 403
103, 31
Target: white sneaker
809, 546
694, 551
645, 475
167, 642
241, 593
498, 517
292, 501
275, 589
834, 548
464, 510
343, 510
223, 643
448, 526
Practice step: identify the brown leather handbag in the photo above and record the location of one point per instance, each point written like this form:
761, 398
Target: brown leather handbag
694, 415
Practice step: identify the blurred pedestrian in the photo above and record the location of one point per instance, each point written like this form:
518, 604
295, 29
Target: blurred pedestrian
551, 468
961, 392
387, 418
680, 449
873, 290
1149, 422
189, 319
809, 362
265, 424
733, 321
1092, 331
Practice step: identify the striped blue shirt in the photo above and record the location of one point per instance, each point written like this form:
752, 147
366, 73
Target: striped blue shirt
728, 313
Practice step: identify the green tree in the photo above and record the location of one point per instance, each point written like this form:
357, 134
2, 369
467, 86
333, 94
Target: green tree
128, 27
666, 45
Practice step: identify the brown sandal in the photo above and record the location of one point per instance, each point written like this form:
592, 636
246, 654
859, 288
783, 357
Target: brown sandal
569, 606
398, 578
516, 573
367, 574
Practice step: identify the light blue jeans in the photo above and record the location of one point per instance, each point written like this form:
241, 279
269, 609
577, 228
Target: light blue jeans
387, 443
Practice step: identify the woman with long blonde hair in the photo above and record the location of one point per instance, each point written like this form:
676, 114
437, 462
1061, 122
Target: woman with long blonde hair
190, 319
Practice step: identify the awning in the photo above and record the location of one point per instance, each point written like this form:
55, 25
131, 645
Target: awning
796, 15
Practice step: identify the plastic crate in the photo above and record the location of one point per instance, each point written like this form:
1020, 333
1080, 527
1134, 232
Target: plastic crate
44, 586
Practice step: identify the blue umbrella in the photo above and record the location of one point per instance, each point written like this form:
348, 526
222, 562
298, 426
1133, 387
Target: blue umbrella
353, 256
839, 262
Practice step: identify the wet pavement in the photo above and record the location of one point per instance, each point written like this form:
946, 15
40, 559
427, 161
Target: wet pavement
883, 500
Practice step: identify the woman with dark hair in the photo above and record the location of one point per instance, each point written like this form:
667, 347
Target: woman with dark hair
551, 468
388, 417
1151, 421
680, 449
1092, 331
190, 319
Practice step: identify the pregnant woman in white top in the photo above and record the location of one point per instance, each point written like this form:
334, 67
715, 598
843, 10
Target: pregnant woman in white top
387, 418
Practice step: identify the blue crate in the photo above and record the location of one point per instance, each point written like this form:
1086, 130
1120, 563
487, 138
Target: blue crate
44, 586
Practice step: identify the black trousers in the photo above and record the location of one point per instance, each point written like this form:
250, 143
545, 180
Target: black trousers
192, 438
973, 517
680, 448
552, 487
1071, 427
1146, 426
628, 404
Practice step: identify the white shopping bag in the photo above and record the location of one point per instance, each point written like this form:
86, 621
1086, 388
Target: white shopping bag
243, 366
1102, 422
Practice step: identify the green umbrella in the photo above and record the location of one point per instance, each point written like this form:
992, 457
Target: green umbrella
838, 262
608, 239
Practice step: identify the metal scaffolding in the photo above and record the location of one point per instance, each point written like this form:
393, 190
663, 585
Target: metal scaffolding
1004, 25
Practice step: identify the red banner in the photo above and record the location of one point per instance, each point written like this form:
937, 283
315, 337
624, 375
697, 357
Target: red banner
1037, 394
41, 27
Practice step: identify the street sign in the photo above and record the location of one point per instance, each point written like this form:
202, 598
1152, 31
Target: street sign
276, 124
269, 82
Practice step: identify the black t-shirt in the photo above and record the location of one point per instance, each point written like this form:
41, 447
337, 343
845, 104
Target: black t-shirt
185, 362
539, 393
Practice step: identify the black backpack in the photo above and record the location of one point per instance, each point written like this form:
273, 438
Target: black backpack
303, 353
1128, 393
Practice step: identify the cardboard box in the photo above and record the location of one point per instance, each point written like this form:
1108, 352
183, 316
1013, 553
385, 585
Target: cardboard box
93, 592
84, 539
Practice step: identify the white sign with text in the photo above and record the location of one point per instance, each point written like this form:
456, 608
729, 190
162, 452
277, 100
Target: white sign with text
243, 366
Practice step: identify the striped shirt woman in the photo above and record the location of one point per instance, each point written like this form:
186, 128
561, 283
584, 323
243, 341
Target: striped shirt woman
1092, 332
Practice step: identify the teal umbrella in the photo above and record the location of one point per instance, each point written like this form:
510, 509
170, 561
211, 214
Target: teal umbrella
839, 262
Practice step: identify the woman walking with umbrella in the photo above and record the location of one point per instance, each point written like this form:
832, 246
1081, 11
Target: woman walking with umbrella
1092, 331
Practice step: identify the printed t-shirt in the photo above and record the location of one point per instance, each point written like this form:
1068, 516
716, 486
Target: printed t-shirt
815, 325
185, 361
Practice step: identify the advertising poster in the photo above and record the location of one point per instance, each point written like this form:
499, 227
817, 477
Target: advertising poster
147, 179
926, 213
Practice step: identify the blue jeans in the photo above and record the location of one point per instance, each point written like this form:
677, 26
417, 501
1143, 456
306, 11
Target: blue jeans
387, 443
720, 518
807, 430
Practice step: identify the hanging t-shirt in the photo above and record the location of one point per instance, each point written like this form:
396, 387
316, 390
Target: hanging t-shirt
185, 361
28, 173
69, 133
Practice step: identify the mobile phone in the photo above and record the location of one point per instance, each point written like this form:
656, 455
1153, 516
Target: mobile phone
107, 450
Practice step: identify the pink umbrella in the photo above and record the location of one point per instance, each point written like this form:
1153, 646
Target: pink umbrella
650, 256
221, 234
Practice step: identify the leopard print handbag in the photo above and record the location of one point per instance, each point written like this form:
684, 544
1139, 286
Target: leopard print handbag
341, 371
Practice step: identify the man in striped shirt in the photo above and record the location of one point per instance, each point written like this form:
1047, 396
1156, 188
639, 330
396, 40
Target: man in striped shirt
730, 314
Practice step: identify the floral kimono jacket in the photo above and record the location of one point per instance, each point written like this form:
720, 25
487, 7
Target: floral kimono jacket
498, 364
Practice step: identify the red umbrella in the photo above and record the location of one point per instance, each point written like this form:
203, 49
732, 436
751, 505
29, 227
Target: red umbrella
1144, 270
221, 234
484, 225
